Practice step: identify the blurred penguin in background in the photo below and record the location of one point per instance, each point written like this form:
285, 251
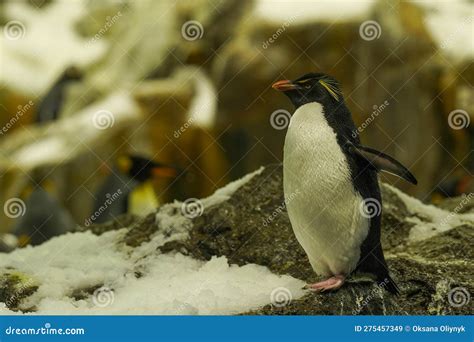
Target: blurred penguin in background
51, 105
129, 188
44, 217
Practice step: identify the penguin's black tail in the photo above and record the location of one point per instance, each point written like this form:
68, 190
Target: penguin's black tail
389, 284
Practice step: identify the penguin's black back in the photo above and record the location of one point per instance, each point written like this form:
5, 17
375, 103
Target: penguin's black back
110, 188
51, 104
44, 219
365, 182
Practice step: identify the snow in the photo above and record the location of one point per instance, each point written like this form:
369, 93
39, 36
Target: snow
67, 262
180, 285
429, 220
311, 11
48, 46
172, 226
450, 24
169, 283
203, 106
226, 192
8, 240
61, 142
48, 150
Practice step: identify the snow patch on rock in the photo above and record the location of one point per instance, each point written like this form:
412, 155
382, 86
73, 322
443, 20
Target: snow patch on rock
175, 285
429, 220
224, 193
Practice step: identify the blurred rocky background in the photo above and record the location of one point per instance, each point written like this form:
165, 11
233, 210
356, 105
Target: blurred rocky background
187, 84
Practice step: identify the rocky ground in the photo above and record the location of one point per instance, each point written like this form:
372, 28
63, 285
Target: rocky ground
434, 273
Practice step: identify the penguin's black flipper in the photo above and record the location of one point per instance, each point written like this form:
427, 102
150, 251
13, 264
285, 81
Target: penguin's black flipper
383, 162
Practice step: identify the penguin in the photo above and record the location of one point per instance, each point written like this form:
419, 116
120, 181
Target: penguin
331, 185
52, 103
129, 188
45, 217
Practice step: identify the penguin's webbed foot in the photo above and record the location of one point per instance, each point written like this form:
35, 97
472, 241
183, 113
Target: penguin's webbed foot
329, 284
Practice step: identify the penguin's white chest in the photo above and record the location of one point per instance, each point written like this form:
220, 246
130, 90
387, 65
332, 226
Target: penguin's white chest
323, 206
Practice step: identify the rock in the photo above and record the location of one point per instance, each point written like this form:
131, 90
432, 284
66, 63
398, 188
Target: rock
461, 204
124, 220
14, 286
251, 226
247, 230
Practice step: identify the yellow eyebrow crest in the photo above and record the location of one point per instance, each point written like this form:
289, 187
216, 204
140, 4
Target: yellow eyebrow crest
332, 90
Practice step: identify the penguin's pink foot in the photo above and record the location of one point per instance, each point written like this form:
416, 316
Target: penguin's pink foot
329, 284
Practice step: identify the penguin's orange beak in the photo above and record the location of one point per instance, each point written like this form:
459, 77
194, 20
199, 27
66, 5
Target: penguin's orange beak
164, 172
284, 85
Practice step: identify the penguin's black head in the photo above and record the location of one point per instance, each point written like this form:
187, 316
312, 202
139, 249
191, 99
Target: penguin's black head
72, 73
312, 87
143, 169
